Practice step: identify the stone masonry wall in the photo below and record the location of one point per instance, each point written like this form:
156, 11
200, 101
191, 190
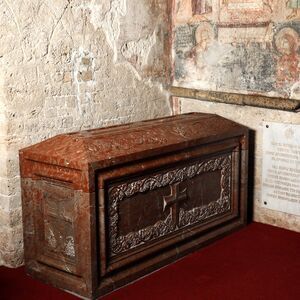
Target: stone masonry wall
68, 65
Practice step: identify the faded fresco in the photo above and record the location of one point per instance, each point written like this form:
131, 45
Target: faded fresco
244, 46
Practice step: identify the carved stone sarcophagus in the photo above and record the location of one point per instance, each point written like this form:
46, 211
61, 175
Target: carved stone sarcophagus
104, 207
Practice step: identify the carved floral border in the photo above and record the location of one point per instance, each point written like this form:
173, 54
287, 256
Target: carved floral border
120, 244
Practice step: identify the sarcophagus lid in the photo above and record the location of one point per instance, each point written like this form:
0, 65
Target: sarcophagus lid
109, 146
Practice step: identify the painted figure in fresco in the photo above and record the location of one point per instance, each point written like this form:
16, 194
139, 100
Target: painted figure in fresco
197, 66
204, 36
295, 6
287, 44
200, 7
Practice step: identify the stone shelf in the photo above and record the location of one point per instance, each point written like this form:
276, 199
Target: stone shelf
292, 105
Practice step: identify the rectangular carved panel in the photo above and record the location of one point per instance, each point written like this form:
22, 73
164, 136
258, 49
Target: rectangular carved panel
55, 223
163, 203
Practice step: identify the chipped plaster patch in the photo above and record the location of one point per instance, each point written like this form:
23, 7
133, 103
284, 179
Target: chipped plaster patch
83, 72
110, 23
137, 52
107, 15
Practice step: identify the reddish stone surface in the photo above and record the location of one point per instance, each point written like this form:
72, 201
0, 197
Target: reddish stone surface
103, 207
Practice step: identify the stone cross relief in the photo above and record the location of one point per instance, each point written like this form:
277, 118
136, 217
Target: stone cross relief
173, 201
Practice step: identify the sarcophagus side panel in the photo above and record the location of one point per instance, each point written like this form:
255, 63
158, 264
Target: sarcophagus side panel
163, 206
176, 199
57, 232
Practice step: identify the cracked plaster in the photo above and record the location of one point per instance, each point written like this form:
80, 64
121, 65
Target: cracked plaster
62, 69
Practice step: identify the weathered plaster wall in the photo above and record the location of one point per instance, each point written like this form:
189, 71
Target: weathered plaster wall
253, 118
68, 65
241, 46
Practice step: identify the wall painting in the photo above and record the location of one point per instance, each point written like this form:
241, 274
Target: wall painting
240, 46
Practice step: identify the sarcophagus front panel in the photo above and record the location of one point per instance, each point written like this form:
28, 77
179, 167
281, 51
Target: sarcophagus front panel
102, 208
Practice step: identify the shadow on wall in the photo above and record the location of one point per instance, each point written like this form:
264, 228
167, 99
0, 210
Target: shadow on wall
251, 175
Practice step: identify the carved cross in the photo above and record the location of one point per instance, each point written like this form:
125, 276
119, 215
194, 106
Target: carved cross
173, 201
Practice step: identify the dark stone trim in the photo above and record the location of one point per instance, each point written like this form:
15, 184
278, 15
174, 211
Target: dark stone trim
292, 105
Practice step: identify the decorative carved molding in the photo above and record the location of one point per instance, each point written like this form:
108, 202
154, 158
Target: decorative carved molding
120, 244
237, 99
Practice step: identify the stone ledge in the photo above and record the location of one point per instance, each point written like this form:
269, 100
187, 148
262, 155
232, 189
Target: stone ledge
237, 99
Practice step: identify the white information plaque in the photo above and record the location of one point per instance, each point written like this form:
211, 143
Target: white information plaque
281, 167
